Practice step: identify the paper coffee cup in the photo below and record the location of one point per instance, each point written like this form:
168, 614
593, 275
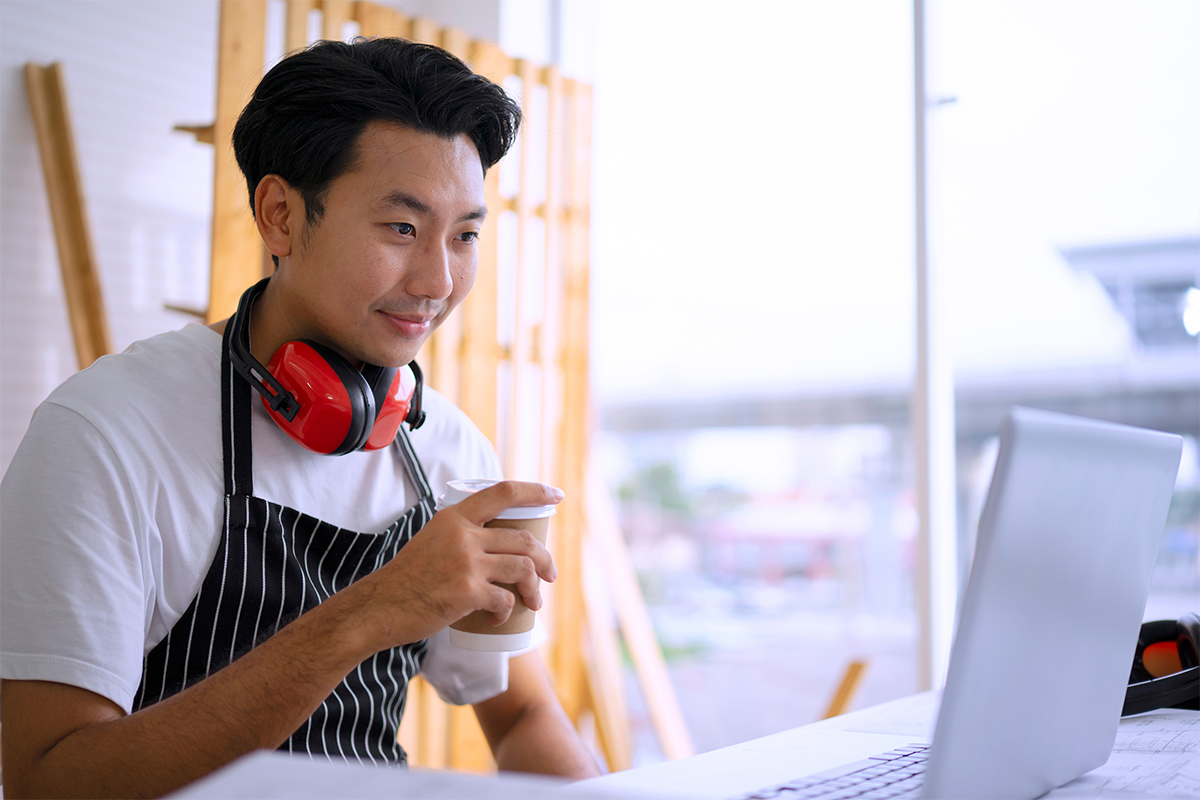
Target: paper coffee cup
474, 631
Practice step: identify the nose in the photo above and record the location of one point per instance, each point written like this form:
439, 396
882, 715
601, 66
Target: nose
429, 273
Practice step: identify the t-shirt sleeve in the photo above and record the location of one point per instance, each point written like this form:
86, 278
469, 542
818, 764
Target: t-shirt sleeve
463, 677
73, 593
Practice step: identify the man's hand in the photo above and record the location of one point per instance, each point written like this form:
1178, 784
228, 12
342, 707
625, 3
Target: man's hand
452, 567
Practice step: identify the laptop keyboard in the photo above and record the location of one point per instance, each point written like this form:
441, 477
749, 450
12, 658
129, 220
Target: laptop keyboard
895, 774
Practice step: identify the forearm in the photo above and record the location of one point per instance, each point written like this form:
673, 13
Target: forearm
256, 702
543, 740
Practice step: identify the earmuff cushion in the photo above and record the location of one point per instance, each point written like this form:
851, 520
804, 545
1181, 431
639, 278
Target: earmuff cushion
337, 408
1163, 630
380, 380
1176, 690
1188, 633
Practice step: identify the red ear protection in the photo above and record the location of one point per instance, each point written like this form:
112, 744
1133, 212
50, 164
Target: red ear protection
1166, 666
318, 398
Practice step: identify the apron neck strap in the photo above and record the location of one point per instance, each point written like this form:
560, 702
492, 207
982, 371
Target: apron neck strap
235, 424
412, 465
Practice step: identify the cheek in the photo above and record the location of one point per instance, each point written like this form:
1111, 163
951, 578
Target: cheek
464, 279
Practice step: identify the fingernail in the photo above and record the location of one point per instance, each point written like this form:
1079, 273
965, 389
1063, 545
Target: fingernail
556, 493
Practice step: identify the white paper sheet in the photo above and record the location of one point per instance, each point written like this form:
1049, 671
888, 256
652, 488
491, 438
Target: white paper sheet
1156, 754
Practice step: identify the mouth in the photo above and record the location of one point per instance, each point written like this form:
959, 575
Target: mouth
410, 326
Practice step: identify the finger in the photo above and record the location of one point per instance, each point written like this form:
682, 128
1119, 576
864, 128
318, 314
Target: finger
517, 572
500, 604
520, 542
485, 504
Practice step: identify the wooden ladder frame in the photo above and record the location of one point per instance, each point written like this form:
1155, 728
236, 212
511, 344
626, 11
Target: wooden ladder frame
45, 88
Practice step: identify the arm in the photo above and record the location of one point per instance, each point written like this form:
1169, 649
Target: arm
65, 741
60, 740
527, 728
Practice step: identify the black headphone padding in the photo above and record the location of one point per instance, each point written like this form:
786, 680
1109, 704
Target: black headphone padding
1180, 690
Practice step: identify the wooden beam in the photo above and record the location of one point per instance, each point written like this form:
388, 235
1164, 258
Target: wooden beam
469, 750
47, 95
636, 627
575, 427
236, 246
427, 31
335, 14
550, 331
478, 373
845, 690
376, 20
456, 42
295, 24
519, 357
409, 734
202, 133
605, 675
442, 357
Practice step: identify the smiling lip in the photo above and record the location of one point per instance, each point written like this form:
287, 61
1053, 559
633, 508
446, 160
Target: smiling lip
409, 325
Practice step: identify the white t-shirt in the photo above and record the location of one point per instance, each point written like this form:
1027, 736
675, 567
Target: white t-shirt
111, 512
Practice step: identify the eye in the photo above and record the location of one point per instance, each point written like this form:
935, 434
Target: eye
469, 236
402, 228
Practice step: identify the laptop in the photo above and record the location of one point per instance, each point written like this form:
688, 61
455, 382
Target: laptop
1049, 621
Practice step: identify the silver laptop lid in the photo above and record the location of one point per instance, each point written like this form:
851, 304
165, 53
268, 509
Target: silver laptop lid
1050, 618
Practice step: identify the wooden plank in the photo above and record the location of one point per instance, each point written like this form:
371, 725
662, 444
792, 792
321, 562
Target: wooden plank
409, 734
202, 133
427, 31
636, 627
550, 331
236, 246
434, 722
456, 42
575, 429
846, 689
480, 350
469, 750
295, 24
605, 675
335, 14
491, 62
47, 95
378, 20
519, 395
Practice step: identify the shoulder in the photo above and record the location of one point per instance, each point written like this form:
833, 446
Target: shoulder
450, 446
164, 370
152, 407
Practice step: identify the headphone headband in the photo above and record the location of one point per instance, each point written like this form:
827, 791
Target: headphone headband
1148, 687
250, 368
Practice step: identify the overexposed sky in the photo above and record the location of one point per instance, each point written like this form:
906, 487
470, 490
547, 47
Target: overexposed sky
753, 183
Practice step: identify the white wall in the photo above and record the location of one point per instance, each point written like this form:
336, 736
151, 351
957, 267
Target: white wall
134, 70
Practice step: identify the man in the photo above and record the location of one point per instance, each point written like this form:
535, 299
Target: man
160, 621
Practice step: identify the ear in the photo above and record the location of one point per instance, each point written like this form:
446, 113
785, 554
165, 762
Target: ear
275, 210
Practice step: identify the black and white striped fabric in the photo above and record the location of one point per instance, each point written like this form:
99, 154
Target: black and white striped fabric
273, 564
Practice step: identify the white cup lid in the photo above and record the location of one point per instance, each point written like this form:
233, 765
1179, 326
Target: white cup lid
457, 491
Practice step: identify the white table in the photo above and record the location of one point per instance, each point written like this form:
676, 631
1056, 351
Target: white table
1155, 756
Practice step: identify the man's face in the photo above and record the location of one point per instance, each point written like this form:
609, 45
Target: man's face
395, 250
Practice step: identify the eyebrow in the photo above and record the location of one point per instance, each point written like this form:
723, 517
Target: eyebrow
401, 199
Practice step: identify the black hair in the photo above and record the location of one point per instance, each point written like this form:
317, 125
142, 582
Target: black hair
305, 118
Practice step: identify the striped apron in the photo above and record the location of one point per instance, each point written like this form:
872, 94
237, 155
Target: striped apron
273, 564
